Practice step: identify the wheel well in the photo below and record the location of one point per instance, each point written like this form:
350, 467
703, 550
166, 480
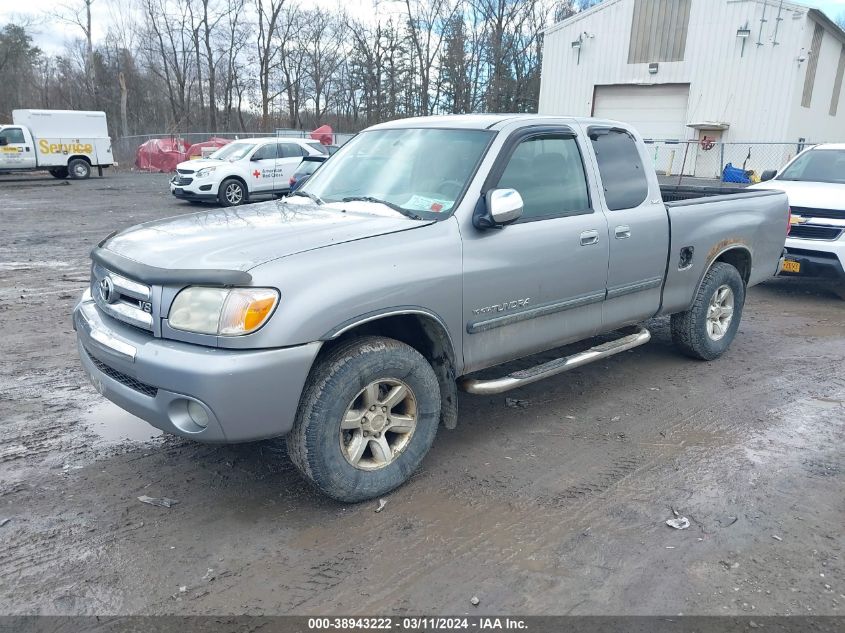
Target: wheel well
75, 156
238, 178
740, 259
430, 338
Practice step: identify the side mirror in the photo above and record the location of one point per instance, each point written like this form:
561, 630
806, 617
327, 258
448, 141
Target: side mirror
769, 174
501, 207
3, 141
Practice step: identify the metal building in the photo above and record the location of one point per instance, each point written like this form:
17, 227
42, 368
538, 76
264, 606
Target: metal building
727, 70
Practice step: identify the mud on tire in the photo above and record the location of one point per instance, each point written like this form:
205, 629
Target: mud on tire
690, 332
316, 444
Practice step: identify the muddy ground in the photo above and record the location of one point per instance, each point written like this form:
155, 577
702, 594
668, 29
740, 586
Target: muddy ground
555, 504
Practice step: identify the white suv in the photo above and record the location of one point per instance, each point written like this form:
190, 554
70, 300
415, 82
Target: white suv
814, 181
243, 169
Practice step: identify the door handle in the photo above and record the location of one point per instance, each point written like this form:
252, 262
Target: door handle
588, 238
622, 232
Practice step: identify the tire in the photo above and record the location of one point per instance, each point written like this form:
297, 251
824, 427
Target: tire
60, 172
695, 332
232, 193
338, 389
79, 169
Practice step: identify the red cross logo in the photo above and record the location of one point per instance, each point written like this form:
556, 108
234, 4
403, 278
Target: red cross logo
256, 173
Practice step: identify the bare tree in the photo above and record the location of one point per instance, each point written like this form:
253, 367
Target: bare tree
79, 15
269, 12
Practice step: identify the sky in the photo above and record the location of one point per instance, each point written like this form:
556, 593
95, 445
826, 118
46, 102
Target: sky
52, 34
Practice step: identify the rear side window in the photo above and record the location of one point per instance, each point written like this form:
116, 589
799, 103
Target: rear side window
622, 174
290, 150
318, 147
548, 173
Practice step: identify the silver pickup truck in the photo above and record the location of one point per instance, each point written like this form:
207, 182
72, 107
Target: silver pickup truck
345, 318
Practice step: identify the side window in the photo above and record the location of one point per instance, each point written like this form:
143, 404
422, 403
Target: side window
290, 150
13, 135
621, 168
548, 173
265, 152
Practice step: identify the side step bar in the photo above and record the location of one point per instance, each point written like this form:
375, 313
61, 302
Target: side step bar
556, 366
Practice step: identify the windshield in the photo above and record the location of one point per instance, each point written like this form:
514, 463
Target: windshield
817, 165
233, 151
421, 170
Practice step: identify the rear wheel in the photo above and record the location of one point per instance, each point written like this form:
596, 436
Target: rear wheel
59, 172
368, 416
706, 330
232, 193
79, 169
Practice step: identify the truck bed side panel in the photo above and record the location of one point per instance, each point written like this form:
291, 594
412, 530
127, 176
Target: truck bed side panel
715, 225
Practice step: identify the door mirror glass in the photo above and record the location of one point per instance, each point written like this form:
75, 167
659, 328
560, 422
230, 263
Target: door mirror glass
3, 141
504, 206
769, 174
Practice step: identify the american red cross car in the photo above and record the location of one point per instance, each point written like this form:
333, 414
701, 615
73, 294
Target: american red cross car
242, 170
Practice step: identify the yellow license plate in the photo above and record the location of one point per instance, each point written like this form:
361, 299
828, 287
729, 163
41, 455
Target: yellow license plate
791, 267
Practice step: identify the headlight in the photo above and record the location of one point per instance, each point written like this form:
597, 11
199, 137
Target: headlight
222, 311
205, 171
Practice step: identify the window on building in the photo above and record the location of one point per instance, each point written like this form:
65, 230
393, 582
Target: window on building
622, 173
659, 31
548, 173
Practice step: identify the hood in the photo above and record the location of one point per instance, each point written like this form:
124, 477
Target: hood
817, 195
199, 163
240, 238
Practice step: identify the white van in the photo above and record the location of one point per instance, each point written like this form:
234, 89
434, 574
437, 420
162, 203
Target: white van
63, 142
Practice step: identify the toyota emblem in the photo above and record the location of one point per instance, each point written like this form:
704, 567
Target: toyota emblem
107, 290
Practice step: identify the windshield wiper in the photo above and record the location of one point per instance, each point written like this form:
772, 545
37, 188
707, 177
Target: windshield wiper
390, 205
306, 194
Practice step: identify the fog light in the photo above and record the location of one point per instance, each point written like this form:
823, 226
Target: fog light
197, 413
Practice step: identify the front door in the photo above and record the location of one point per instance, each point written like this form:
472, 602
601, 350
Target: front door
540, 282
263, 169
16, 153
638, 228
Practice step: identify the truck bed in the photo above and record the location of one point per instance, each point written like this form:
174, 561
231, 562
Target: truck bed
679, 193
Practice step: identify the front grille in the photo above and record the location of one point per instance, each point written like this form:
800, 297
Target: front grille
185, 171
812, 232
182, 181
129, 301
812, 212
123, 379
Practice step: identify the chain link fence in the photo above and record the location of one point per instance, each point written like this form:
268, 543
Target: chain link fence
708, 160
125, 148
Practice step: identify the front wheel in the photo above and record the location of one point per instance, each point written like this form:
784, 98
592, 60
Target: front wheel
232, 193
706, 330
368, 416
79, 169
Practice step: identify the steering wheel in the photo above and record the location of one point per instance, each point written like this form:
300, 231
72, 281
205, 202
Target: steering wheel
455, 185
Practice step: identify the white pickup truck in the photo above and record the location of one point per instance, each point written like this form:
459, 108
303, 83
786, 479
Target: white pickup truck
243, 169
814, 182
63, 142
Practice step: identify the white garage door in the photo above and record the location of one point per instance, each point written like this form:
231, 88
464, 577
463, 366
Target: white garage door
657, 112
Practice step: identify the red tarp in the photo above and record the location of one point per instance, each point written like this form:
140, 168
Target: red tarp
324, 134
195, 150
161, 154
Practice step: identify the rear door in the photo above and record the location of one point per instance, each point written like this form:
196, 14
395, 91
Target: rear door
16, 149
638, 227
290, 155
540, 282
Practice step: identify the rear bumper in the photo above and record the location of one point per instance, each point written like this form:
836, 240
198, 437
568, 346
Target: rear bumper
246, 395
818, 259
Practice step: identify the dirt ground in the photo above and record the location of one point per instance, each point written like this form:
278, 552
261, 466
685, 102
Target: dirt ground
553, 503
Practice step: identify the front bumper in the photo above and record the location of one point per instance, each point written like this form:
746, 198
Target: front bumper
195, 190
246, 394
817, 258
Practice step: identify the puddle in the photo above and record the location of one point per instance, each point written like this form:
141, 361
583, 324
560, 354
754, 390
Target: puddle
113, 425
